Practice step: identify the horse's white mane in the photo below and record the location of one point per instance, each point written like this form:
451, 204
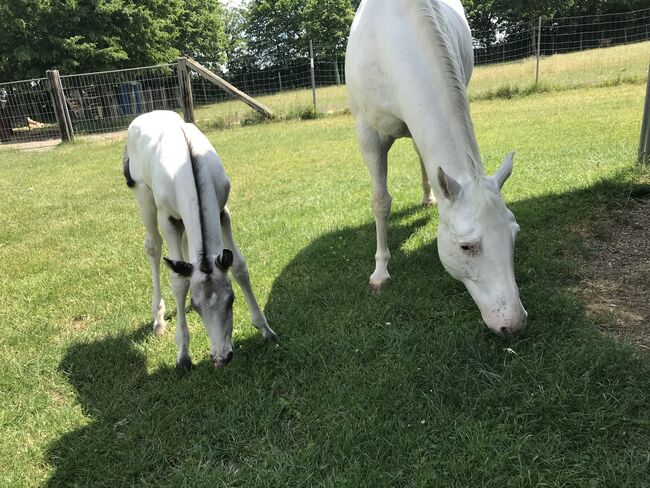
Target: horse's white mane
428, 13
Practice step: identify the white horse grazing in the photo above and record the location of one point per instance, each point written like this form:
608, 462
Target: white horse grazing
407, 67
182, 188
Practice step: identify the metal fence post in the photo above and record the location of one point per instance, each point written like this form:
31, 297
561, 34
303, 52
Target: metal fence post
539, 49
60, 108
311, 70
185, 84
644, 144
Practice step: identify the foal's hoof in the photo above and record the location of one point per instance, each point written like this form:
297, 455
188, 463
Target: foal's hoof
184, 364
429, 202
270, 336
159, 328
377, 286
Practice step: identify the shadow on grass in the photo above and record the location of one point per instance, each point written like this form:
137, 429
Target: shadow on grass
402, 389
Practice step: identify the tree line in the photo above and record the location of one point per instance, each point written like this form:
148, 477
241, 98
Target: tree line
77, 36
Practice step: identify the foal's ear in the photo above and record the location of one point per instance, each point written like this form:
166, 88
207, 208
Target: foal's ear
224, 261
450, 187
179, 267
504, 171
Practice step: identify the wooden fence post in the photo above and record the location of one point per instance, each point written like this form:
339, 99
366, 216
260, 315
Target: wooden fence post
185, 84
60, 106
221, 83
644, 144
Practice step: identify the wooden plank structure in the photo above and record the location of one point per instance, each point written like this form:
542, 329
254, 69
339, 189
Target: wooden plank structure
185, 84
185, 63
60, 106
644, 144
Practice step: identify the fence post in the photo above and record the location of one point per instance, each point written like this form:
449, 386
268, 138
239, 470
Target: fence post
185, 84
311, 70
539, 49
644, 144
60, 107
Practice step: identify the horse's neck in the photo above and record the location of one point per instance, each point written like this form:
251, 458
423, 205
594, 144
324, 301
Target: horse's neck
201, 217
444, 132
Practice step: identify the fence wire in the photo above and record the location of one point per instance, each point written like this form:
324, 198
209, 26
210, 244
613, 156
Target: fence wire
596, 50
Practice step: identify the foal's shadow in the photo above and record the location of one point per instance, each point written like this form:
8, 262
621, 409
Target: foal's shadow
354, 371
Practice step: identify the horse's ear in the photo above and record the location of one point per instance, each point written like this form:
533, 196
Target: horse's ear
179, 267
450, 187
504, 171
224, 261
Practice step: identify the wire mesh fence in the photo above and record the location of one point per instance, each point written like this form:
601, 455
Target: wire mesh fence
26, 112
559, 53
108, 101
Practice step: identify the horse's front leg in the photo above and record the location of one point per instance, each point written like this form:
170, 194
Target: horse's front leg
240, 273
428, 198
180, 286
374, 149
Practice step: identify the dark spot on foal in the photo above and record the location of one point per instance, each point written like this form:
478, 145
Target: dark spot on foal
130, 182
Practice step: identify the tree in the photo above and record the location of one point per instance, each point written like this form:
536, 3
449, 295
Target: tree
327, 23
93, 35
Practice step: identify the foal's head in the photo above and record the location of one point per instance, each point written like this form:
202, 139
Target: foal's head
212, 297
476, 242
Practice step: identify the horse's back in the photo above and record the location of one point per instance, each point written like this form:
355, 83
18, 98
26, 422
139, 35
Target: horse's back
392, 55
156, 147
158, 151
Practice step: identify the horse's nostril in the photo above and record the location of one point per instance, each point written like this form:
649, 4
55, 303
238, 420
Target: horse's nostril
228, 357
505, 331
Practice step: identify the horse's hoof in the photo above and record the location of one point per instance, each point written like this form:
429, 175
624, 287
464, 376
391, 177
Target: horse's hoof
376, 287
184, 364
159, 329
429, 202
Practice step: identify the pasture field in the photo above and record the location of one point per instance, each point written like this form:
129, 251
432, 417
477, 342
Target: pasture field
625, 64
404, 389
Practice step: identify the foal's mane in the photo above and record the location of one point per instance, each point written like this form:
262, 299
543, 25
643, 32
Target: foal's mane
195, 160
429, 15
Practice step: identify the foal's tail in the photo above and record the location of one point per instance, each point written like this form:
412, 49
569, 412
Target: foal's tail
130, 182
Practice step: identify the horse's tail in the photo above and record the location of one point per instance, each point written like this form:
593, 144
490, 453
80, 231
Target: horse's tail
130, 182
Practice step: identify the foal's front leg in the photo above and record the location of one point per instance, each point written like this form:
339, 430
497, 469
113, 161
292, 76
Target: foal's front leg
374, 149
180, 286
240, 273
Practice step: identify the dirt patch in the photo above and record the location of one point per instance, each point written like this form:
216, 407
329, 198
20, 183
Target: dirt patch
79, 323
615, 271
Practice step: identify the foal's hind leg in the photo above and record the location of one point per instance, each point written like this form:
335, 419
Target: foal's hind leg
428, 199
240, 273
153, 250
374, 149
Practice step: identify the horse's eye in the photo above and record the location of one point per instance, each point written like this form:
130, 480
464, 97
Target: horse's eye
471, 249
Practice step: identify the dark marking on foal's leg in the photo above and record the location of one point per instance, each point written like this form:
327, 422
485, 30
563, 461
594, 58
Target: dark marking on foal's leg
184, 364
130, 182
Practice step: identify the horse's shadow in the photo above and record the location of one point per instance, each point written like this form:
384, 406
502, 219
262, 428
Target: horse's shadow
347, 357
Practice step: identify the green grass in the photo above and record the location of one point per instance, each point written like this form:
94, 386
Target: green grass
406, 389
618, 65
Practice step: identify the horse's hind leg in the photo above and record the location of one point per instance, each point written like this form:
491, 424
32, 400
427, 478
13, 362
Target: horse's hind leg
240, 273
374, 149
428, 199
153, 250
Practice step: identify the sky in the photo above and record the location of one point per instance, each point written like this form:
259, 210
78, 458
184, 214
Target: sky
232, 3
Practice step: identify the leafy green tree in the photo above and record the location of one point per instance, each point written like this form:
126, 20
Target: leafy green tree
90, 35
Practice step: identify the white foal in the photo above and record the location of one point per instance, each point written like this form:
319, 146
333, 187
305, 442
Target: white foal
182, 188
407, 66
